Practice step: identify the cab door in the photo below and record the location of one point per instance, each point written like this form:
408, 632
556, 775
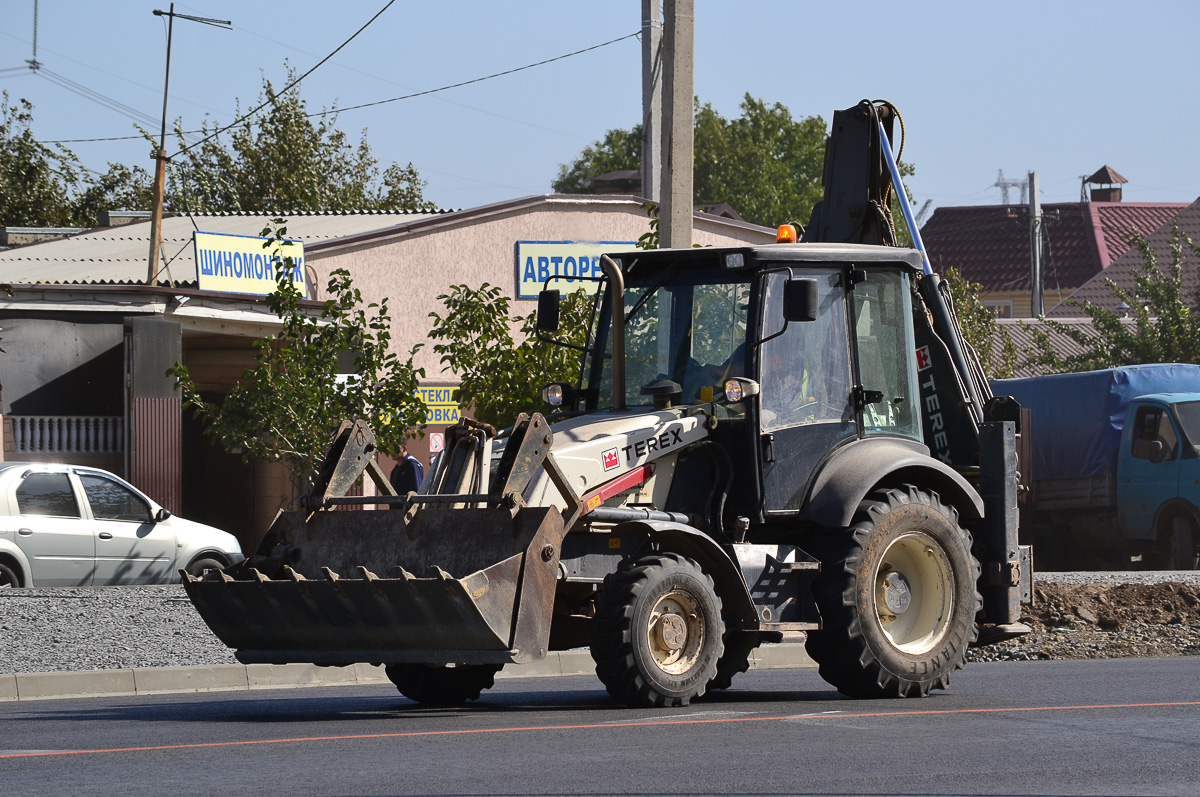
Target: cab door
51, 530
130, 547
805, 400
1148, 468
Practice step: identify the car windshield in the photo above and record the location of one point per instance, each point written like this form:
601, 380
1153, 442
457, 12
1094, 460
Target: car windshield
685, 325
1188, 413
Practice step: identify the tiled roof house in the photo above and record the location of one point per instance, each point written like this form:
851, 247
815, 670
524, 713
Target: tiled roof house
1125, 267
989, 244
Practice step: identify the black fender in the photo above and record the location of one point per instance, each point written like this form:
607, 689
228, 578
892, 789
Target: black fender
1171, 508
854, 470
711, 556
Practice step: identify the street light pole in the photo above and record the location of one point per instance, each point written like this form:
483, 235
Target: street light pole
160, 162
160, 157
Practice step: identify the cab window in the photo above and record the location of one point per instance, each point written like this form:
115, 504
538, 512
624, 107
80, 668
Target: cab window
47, 494
1152, 425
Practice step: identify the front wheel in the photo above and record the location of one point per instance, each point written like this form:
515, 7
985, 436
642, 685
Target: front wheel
200, 566
657, 631
442, 685
897, 596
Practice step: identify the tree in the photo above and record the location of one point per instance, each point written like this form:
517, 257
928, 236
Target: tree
501, 378
765, 164
289, 403
1164, 324
283, 158
991, 342
36, 181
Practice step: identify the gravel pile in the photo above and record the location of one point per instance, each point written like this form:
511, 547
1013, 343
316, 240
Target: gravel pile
100, 628
1076, 615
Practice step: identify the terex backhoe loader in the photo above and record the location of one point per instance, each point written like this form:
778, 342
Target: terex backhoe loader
766, 440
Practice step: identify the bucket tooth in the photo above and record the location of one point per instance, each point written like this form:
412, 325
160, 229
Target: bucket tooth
293, 574
367, 574
402, 574
329, 574
225, 577
442, 574
258, 576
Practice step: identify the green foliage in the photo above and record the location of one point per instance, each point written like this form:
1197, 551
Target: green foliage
620, 149
1165, 326
288, 405
500, 377
766, 164
282, 158
979, 327
120, 188
36, 182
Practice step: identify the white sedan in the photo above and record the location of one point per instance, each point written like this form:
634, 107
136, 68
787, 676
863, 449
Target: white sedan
71, 526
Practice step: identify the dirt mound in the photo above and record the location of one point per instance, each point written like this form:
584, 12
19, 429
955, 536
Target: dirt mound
1105, 621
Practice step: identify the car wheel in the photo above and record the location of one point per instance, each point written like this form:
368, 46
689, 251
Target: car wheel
199, 566
8, 577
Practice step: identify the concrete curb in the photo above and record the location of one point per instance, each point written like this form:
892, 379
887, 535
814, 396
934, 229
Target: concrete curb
243, 677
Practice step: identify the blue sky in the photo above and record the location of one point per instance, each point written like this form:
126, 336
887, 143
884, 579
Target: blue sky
1057, 87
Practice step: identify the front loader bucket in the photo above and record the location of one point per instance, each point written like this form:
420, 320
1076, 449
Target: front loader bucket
459, 586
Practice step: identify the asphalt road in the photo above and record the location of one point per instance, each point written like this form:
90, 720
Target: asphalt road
1129, 726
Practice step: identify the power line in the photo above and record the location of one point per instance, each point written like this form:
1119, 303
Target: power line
95, 96
289, 86
488, 77
357, 107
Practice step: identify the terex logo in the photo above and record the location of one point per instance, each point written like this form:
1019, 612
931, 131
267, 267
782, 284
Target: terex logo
923, 358
610, 458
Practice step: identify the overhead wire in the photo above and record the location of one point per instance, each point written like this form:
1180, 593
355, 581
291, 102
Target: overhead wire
288, 87
363, 105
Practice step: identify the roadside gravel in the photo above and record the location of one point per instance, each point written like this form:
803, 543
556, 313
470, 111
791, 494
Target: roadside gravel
1076, 615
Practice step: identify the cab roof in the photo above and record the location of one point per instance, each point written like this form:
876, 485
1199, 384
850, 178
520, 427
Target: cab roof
770, 255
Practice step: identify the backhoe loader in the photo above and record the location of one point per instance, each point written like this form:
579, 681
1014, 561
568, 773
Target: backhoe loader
764, 442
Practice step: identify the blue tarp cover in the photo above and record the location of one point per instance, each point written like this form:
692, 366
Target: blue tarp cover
1077, 418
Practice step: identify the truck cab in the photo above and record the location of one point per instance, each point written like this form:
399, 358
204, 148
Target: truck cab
1158, 474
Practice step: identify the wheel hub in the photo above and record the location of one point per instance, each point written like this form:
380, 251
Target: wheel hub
897, 594
675, 632
671, 631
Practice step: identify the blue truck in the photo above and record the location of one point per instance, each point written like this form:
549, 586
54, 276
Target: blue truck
1112, 474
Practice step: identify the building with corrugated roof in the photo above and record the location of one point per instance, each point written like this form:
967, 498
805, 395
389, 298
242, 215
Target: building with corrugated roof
88, 340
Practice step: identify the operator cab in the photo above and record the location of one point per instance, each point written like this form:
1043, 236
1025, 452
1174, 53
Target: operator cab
794, 349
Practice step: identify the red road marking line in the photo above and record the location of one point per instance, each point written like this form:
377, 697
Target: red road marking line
645, 723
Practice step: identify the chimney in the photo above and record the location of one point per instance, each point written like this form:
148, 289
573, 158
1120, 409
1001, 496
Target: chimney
1108, 182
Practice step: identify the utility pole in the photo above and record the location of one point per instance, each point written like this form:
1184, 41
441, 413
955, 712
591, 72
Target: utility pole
1038, 303
675, 215
652, 90
160, 157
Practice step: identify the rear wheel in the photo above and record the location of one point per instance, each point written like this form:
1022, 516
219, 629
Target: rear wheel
657, 631
8, 577
897, 597
1180, 545
442, 685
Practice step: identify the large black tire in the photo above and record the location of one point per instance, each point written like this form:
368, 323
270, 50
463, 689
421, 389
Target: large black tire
898, 599
436, 685
657, 634
736, 658
8, 577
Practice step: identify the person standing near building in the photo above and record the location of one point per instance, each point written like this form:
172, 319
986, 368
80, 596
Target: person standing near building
407, 476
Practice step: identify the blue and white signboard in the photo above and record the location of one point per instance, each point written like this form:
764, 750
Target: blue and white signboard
537, 261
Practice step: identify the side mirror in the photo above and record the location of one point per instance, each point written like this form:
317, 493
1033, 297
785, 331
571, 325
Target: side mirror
1156, 451
800, 299
162, 514
547, 310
